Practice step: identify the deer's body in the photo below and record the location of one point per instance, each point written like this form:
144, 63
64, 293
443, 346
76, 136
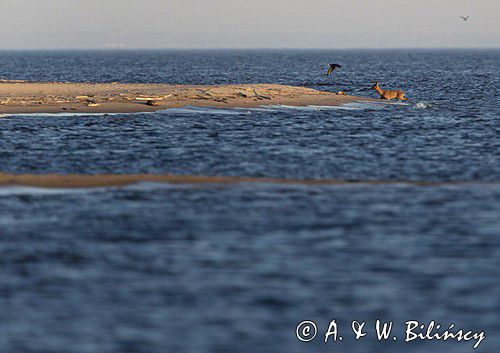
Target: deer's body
389, 94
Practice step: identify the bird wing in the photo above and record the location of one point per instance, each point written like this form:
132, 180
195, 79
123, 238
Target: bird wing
330, 70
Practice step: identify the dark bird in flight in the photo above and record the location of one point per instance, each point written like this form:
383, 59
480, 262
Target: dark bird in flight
332, 67
464, 18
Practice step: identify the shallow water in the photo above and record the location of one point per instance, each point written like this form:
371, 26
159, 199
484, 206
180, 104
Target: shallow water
359, 142
217, 268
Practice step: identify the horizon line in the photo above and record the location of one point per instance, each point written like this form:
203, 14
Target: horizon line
249, 48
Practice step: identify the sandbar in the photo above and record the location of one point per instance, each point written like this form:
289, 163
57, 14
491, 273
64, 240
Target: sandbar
20, 97
105, 180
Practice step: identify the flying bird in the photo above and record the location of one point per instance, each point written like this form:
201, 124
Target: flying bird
464, 18
332, 67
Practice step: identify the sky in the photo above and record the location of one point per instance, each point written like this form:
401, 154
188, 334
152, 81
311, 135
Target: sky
329, 24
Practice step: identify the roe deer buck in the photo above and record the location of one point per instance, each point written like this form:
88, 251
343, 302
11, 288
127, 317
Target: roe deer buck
389, 94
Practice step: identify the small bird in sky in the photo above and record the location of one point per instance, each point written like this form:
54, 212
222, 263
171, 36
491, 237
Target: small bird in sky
464, 18
332, 67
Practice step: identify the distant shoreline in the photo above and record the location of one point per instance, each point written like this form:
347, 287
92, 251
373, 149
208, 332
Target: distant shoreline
245, 49
23, 97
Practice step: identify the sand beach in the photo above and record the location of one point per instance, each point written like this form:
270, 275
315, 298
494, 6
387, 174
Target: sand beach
56, 97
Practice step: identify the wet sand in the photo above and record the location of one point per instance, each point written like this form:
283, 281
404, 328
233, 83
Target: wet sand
17, 97
103, 180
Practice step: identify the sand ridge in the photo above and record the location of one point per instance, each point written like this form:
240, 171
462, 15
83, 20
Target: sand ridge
58, 97
103, 180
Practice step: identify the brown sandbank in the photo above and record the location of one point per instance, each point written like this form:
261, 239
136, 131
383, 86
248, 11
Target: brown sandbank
103, 180
19, 97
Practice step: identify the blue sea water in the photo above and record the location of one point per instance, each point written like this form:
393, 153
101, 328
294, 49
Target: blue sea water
218, 268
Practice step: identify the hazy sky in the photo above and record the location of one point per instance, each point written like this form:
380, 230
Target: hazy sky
56, 24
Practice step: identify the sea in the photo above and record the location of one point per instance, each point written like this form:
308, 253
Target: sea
257, 267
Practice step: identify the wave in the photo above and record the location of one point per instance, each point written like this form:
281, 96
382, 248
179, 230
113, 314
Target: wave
35, 191
205, 110
422, 105
140, 186
277, 108
189, 110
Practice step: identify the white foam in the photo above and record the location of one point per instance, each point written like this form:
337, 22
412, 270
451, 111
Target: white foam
206, 110
313, 107
396, 103
422, 105
34, 191
230, 111
361, 105
16, 190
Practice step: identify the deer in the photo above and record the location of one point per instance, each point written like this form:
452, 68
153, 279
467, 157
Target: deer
389, 94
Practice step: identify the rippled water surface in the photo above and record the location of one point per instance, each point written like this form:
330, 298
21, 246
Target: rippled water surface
235, 268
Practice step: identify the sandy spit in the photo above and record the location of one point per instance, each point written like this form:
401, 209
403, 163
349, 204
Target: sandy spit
103, 180
58, 97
